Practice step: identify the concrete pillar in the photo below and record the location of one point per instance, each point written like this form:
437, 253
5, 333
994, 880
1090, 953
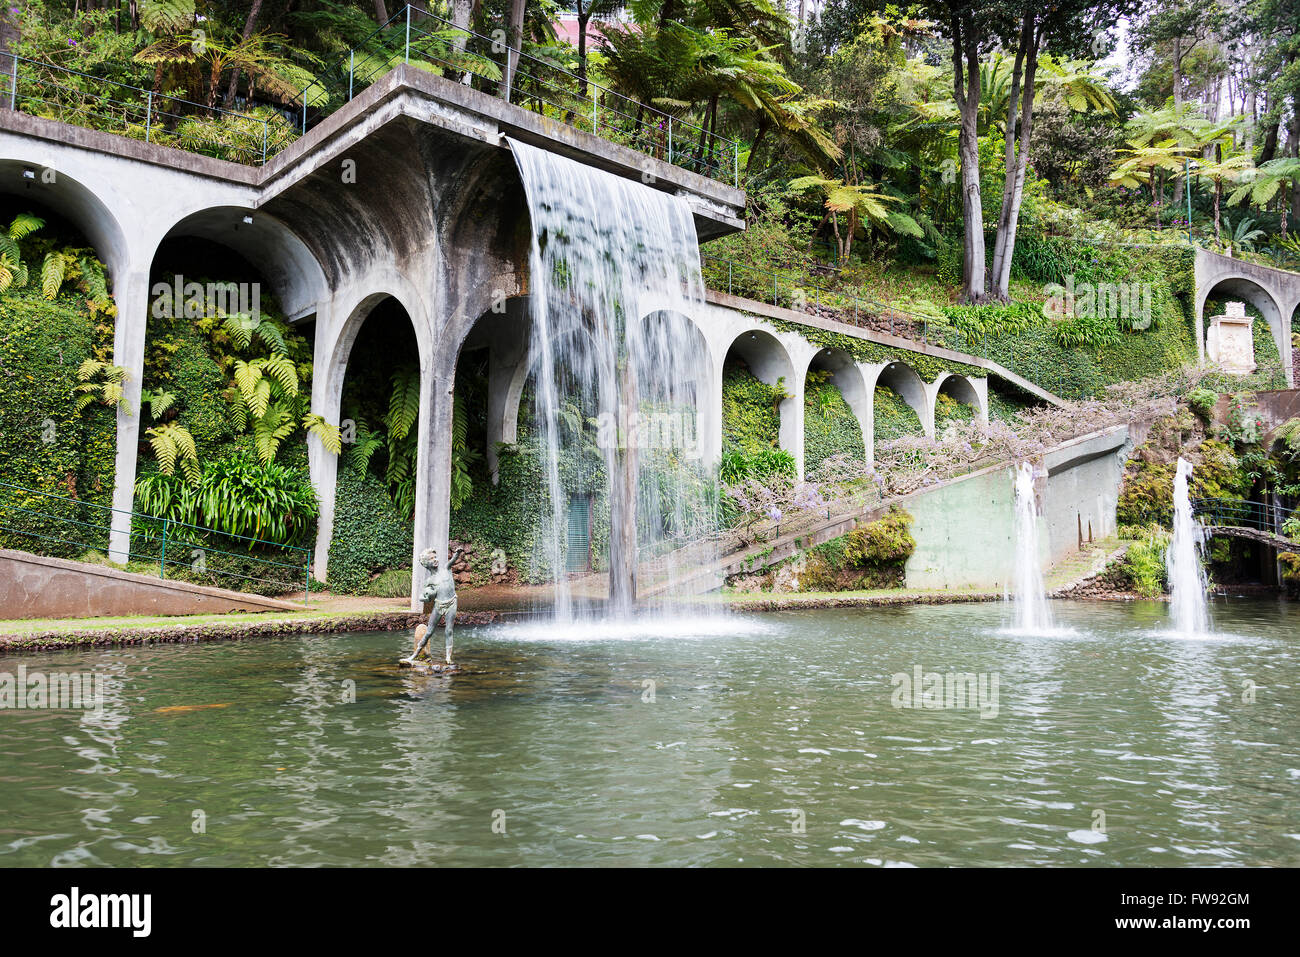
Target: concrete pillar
131, 294
792, 422
433, 471
507, 373
322, 466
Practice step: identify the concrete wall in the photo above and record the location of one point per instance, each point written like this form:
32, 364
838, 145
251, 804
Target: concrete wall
32, 586
965, 530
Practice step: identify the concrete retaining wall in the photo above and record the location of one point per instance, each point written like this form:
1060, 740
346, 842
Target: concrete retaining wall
32, 586
965, 531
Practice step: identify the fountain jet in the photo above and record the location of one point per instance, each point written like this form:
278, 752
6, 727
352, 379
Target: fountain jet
1030, 611
1188, 607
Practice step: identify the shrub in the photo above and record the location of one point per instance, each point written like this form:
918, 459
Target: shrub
1145, 566
873, 555
1202, 401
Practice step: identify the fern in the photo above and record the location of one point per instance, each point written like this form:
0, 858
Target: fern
330, 437
53, 272
404, 404
367, 443
167, 16
271, 429
24, 224
173, 445
94, 281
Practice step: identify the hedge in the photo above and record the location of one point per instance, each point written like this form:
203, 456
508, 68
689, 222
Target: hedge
44, 443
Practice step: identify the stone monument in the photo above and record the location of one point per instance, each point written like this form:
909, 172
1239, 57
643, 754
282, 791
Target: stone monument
1230, 343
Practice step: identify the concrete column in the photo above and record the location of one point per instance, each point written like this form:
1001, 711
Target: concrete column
322, 466
433, 467
507, 373
131, 294
792, 423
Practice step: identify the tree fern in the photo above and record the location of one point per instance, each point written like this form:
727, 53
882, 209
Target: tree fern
167, 16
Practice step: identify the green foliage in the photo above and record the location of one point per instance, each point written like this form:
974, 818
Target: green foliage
1144, 565
751, 417
394, 583
761, 464
45, 443
1202, 401
894, 417
237, 496
830, 427
1147, 493
370, 534
103, 383
873, 555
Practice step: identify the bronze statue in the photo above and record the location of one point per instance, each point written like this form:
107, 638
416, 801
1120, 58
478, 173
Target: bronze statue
441, 588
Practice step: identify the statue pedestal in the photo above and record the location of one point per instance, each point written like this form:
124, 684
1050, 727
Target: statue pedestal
1230, 342
423, 667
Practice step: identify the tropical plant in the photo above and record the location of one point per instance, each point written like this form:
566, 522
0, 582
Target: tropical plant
102, 382
234, 495
173, 445
1263, 183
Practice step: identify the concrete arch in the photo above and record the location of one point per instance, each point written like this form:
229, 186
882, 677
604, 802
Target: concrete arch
770, 362
327, 398
1274, 292
907, 382
972, 392
274, 249
693, 363
75, 202
847, 376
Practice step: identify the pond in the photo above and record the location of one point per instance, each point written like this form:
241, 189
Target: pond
759, 739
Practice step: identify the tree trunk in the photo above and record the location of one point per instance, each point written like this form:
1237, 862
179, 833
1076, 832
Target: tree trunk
1017, 135
381, 12
514, 43
234, 74
763, 124
966, 88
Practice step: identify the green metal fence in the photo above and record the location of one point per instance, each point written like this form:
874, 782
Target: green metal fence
63, 527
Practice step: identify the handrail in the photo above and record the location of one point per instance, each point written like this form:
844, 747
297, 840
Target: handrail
143, 114
1242, 513
543, 87
149, 534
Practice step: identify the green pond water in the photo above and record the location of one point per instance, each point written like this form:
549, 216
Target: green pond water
762, 739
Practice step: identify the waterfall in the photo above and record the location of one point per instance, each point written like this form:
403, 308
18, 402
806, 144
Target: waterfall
614, 271
1030, 612
1187, 582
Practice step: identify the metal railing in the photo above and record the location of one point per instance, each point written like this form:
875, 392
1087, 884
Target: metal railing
1237, 513
411, 36
797, 293
69, 96
69, 527
417, 37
